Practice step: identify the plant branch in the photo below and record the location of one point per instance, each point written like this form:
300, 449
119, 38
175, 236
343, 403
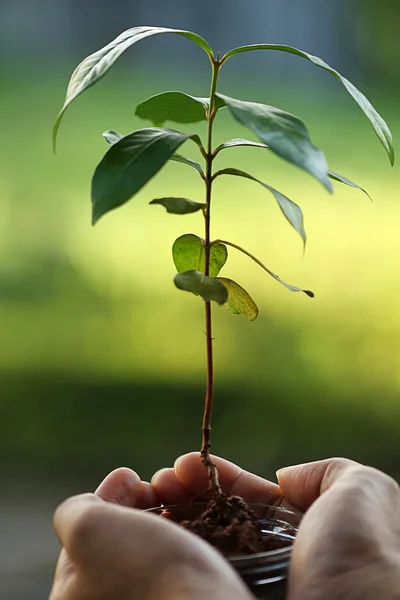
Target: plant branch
208, 405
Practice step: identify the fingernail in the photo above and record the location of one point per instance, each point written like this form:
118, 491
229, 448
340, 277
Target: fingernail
280, 471
157, 473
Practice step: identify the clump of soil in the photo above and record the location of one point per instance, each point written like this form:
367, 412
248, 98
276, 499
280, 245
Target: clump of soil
232, 527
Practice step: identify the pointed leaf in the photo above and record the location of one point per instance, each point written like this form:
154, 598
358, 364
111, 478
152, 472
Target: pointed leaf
95, 66
290, 209
378, 123
112, 137
292, 288
341, 179
175, 106
238, 142
188, 161
188, 254
179, 206
239, 301
172, 106
209, 288
284, 133
129, 164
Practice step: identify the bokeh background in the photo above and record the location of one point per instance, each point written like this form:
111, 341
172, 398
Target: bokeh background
101, 358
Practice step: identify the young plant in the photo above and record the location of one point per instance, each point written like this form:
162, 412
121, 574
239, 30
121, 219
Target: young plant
135, 158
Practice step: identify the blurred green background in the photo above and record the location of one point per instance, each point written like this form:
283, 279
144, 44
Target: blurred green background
102, 360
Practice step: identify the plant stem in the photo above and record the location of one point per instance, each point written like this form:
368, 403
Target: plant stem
208, 406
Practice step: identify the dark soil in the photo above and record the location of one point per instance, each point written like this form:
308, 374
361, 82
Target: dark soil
230, 525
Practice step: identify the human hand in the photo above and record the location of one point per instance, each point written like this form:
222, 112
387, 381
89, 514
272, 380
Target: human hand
114, 552
348, 545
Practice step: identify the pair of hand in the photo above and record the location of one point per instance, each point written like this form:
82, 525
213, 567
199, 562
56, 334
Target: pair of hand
347, 548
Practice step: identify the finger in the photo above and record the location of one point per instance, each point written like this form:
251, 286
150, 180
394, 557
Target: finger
169, 489
303, 484
123, 486
191, 477
233, 479
69, 517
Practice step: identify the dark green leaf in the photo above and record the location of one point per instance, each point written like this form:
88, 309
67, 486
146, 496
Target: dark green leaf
290, 209
239, 301
188, 161
112, 137
380, 126
174, 106
292, 288
284, 133
238, 142
129, 164
188, 254
95, 66
179, 206
209, 288
337, 177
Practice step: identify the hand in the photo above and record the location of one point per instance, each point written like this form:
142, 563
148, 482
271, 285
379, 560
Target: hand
113, 552
348, 545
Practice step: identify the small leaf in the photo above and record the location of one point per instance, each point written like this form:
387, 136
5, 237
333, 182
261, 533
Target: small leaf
290, 209
238, 142
292, 288
378, 123
188, 161
174, 106
284, 133
188, 254
209, 288
341, 179
239, 301
179, 206
112, 137
130, 163
95, 66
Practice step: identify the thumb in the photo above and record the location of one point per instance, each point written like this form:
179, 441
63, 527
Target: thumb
303, 484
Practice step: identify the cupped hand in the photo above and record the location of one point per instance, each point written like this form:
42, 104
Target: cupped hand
113, 551
348, 545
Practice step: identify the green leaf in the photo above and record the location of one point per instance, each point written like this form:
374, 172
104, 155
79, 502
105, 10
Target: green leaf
175, 106
188, 161
112, 137
238, 142
130, 163
239, 301
95, 66
292, 288
179, 206
378, 123
188, 254
242, 142
209, 288
290, 209
341, 179
284, 133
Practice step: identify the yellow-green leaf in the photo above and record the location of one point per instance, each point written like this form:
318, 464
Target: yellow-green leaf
239, 301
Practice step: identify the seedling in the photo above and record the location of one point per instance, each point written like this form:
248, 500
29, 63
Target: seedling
135, 158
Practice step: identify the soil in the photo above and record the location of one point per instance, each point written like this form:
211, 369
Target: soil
232, 527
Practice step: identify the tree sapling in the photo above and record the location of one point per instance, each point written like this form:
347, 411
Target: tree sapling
133, 159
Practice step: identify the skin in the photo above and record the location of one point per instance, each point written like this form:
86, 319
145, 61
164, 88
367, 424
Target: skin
347, 548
